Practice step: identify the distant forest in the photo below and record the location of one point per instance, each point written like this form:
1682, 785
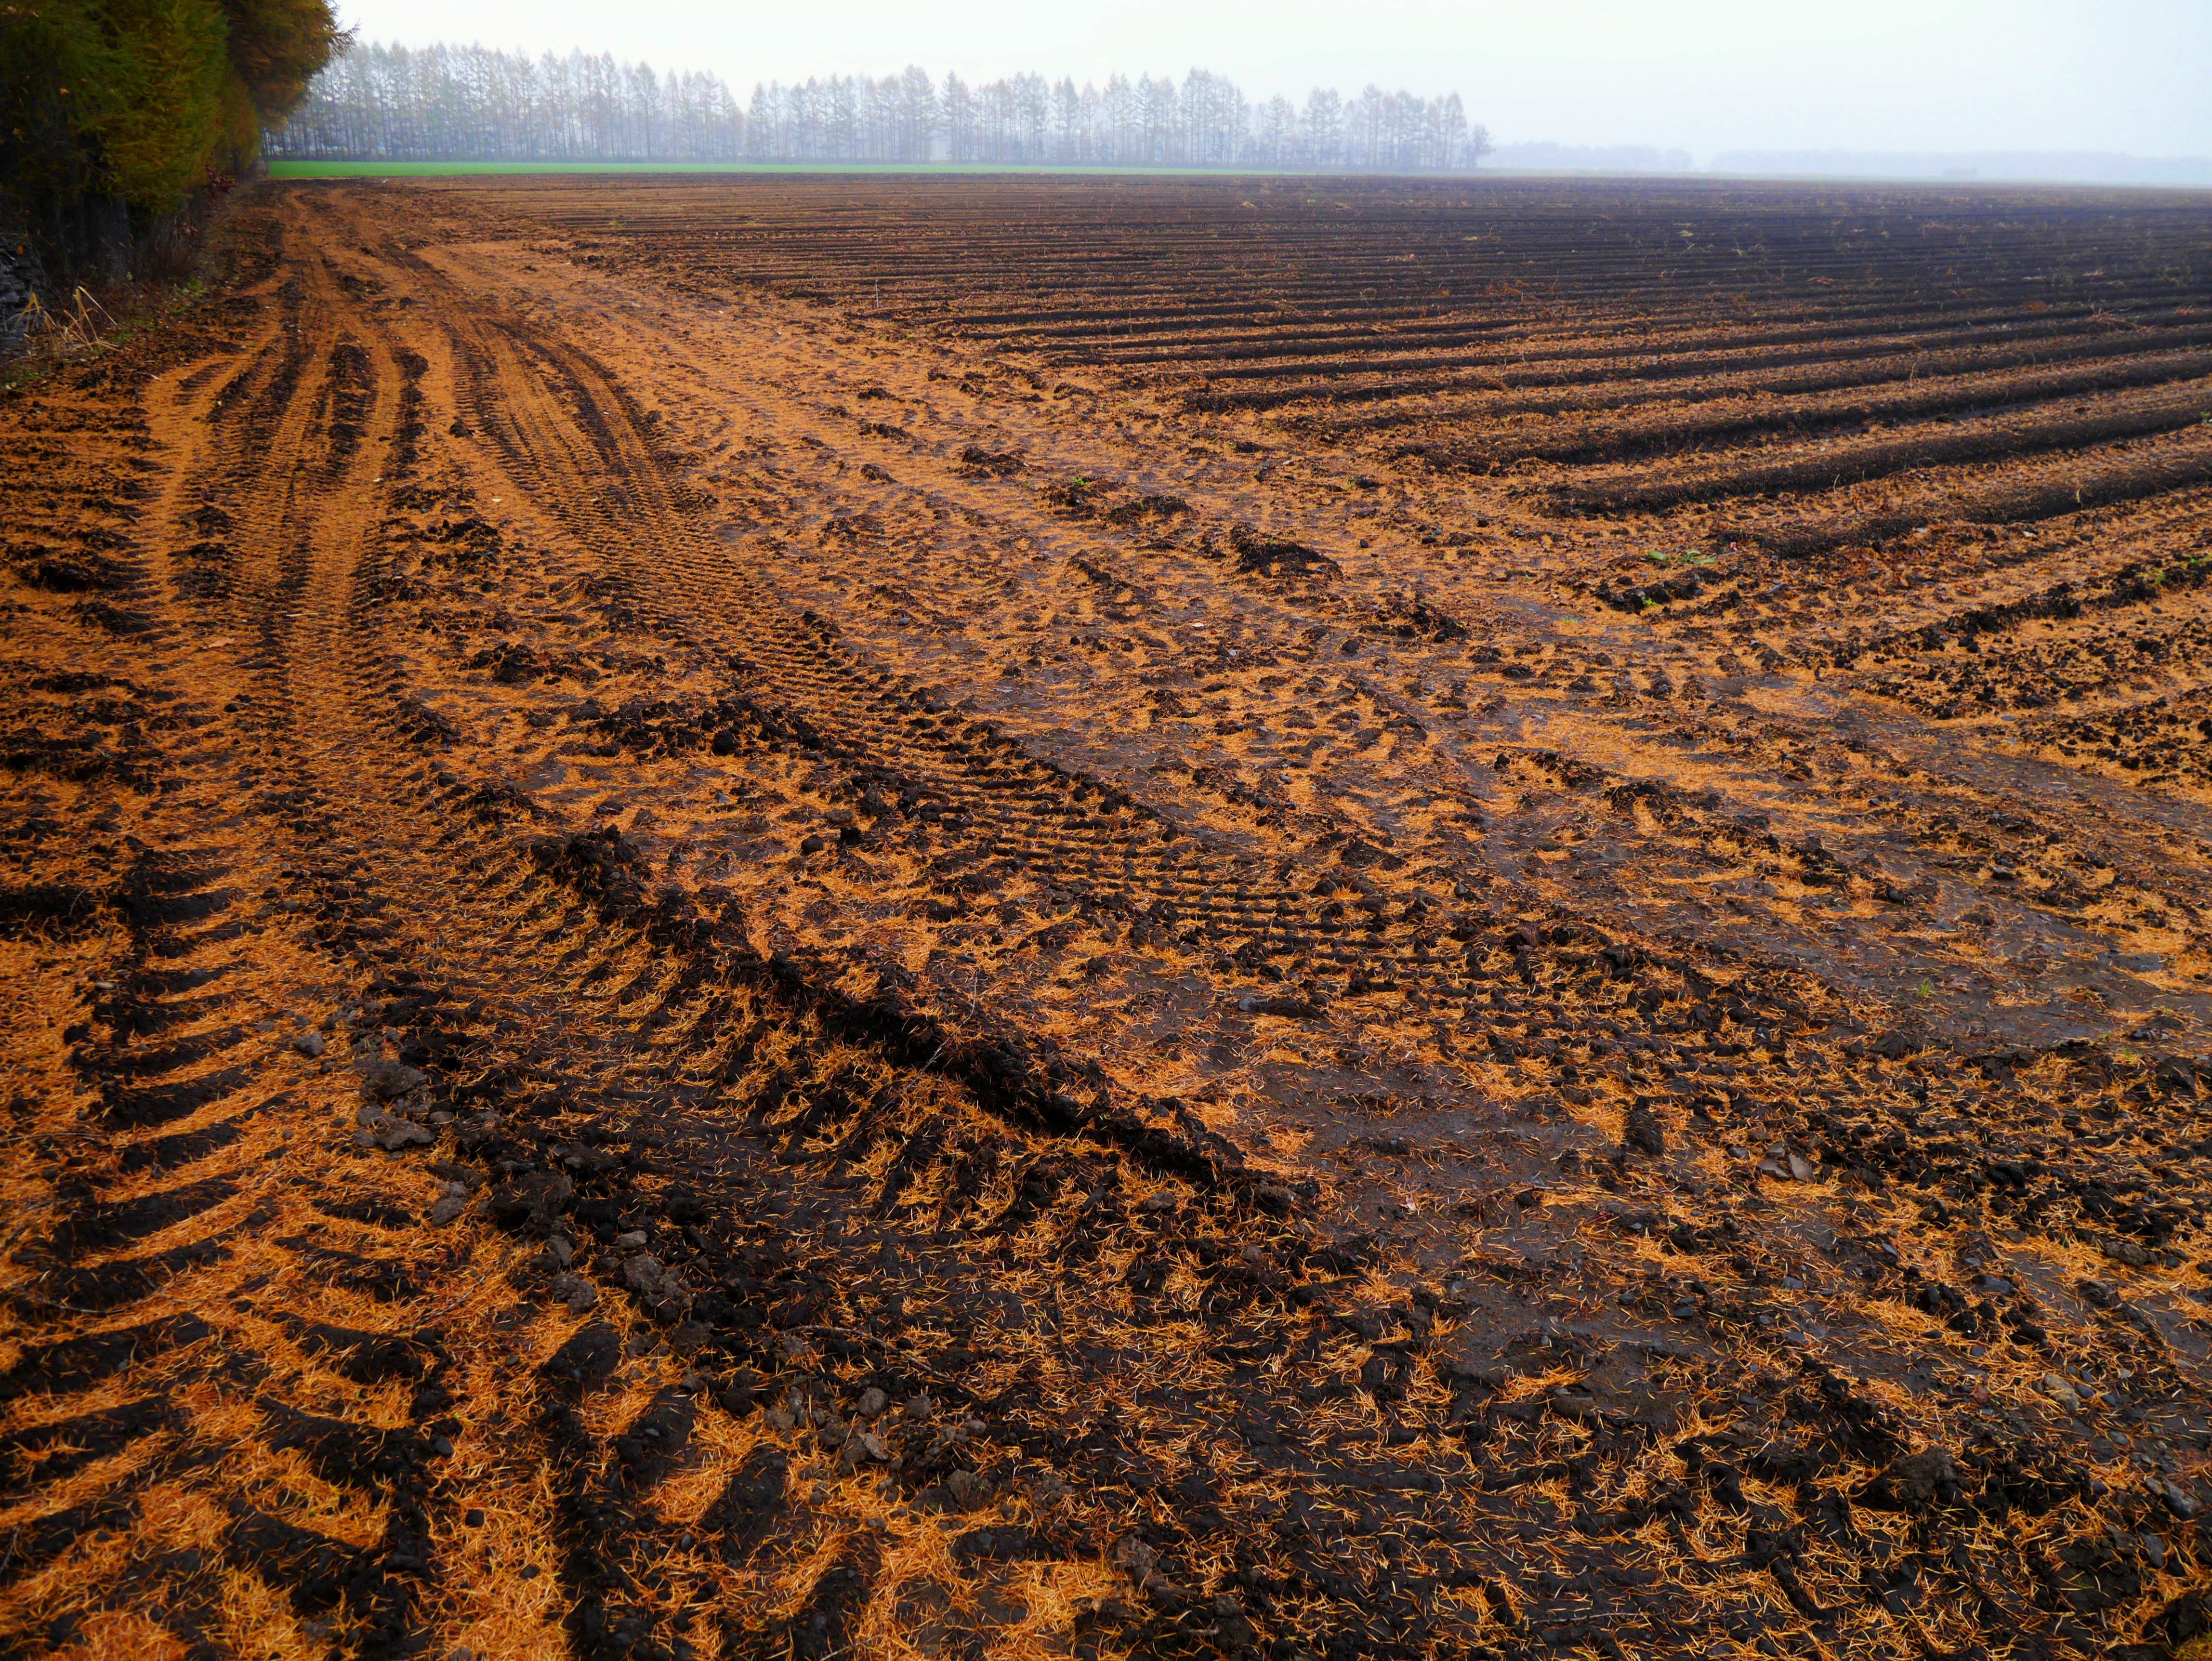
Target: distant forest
468, 104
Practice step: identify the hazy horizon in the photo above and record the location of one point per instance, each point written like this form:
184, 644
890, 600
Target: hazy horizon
1707, 76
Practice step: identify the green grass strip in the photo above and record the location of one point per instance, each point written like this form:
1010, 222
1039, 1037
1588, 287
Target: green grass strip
450, 169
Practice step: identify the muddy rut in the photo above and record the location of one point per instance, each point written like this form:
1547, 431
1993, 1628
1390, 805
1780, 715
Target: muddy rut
697, 965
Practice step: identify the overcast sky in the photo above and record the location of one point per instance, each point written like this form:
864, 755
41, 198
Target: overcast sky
1700, 75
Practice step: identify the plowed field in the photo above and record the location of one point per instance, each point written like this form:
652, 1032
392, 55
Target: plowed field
1245, 917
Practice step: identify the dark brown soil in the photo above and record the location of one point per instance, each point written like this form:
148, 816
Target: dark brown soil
780, 917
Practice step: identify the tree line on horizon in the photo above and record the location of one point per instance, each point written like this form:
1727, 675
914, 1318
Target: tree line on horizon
441, 103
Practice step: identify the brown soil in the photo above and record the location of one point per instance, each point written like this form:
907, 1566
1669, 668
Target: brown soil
1259, 918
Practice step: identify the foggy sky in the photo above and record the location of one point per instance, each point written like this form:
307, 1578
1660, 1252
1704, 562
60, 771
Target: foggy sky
1702, 74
